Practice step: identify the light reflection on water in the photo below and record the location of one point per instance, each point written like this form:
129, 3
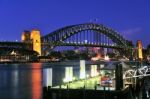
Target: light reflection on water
36, 81
20, 81
25, 81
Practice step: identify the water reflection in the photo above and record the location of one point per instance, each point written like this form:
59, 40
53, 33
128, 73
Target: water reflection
20, 81
24, 81
14, 80
36, 81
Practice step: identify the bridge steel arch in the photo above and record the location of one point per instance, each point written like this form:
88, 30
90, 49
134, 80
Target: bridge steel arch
55, 38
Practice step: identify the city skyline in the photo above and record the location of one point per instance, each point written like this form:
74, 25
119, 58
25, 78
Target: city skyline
130, 18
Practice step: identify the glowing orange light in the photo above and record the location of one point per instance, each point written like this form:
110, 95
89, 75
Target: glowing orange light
98, 57
23, 37
36, 81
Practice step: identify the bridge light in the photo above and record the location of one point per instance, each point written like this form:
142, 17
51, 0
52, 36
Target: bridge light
85, 41
106, 58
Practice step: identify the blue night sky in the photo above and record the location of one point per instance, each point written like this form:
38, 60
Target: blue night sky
129, 17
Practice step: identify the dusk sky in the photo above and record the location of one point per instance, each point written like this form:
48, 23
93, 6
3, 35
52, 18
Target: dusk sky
129, 17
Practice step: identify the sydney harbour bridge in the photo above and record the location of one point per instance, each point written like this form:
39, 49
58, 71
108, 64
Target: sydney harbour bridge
87, 34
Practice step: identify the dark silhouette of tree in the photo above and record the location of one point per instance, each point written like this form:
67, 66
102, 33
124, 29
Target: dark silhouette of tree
55, 54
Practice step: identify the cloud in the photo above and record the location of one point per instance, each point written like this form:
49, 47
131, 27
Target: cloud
133, 31
132, 34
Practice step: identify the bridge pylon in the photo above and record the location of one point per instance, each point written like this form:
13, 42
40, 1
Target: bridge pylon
34, 38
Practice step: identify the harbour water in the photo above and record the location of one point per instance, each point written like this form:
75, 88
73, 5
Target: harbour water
21, 81
25, 80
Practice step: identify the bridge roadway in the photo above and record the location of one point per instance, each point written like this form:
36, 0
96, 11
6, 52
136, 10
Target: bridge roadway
86, 44
13, 44
28, 45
